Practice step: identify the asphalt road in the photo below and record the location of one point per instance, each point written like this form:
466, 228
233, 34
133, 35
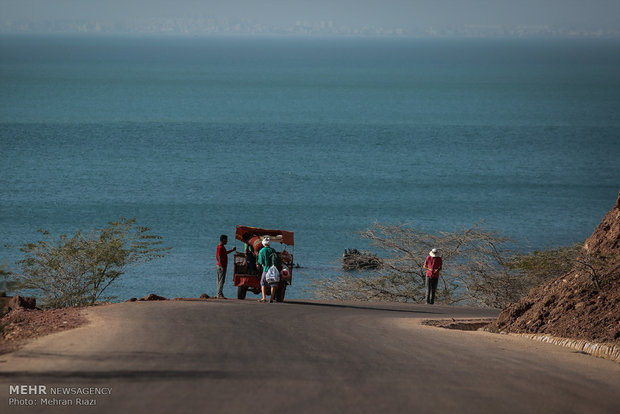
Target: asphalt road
299, 357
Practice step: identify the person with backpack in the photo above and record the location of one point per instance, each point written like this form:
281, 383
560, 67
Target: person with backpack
433, 265
250, 255
267, 257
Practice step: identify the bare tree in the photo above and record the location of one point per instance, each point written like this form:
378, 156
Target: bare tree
474, 270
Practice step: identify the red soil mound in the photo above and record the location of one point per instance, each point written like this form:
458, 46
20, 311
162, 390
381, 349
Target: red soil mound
582, 304
21, 325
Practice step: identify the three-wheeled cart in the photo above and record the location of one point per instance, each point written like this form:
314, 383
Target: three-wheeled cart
247, 279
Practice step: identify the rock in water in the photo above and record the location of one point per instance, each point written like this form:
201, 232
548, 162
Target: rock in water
353, 259
153, 296
22, 302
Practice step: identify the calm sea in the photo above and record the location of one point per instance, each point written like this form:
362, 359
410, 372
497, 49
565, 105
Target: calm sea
322, 137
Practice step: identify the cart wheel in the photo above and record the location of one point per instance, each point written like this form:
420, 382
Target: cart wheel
281, 292
241, 291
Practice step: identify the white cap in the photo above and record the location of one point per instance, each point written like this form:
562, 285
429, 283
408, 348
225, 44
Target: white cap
434, 253
266, 241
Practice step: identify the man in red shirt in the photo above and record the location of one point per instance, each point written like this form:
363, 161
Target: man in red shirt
222, 263
432, 264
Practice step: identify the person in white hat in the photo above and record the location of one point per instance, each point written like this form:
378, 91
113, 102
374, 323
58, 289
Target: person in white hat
264, 259
432, 264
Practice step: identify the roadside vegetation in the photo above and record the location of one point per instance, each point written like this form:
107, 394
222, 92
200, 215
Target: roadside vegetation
76, 270
481, 268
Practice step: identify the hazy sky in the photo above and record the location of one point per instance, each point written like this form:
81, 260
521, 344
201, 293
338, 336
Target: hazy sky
589, 14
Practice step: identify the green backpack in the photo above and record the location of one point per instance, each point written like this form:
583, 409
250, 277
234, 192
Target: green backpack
275, 260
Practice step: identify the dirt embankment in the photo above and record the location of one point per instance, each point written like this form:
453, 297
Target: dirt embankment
582, 304
21, 325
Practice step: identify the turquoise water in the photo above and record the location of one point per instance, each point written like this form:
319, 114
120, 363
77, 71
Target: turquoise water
322, 137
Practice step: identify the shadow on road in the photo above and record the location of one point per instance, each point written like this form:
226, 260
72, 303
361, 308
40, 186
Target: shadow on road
117, 374
361, 307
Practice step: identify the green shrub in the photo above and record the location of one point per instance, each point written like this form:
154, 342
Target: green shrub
76, 270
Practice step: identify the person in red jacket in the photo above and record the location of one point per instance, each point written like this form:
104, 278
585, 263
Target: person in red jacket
222, 263
432, 264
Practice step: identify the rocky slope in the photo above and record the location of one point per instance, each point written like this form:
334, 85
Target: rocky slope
582, 304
